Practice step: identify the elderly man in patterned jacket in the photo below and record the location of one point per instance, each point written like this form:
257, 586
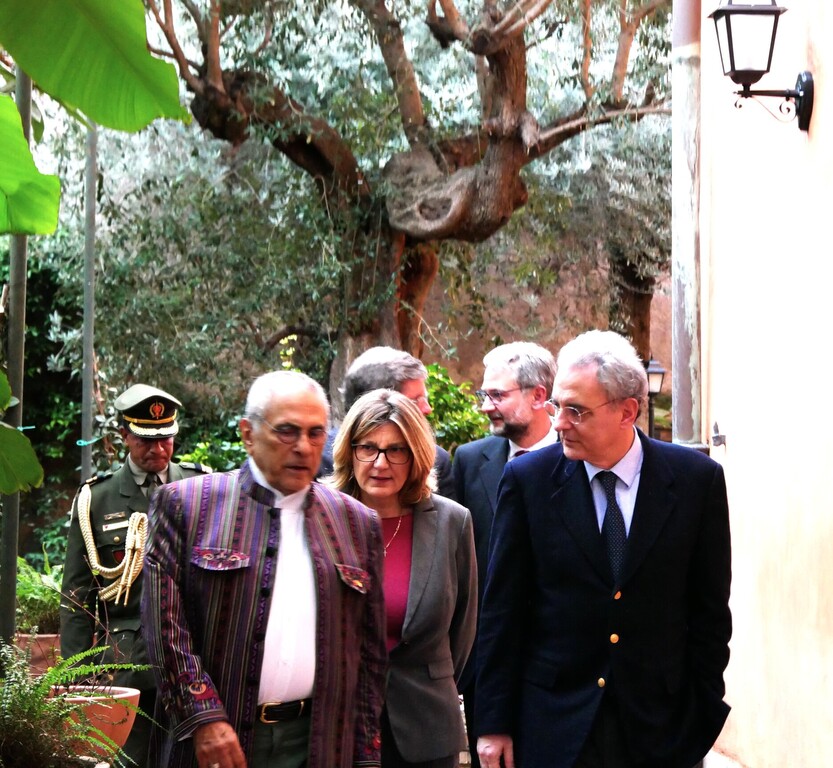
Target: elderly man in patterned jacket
264, 602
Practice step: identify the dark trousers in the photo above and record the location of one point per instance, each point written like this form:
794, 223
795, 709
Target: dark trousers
391, 757
606, 746
281, 745
468, 709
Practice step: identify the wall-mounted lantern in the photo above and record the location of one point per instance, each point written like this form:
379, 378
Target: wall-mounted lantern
656, 373
746, 37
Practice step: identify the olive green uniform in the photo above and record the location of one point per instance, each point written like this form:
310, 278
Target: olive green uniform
86, 620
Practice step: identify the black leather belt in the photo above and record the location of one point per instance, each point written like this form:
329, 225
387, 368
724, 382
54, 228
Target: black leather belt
281, 711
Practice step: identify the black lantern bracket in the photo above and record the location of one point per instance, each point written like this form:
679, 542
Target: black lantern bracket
797, 102
746, 40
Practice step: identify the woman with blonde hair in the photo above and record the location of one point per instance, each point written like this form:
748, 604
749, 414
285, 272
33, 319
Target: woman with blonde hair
384, 455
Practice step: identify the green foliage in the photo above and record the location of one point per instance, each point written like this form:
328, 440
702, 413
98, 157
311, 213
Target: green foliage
39, 726
38, 597
456, 416
28, 198
20, 469
113, 79
221, 455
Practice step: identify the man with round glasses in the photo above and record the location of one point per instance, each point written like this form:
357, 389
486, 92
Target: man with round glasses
264, 602
389, 368
517, 384
605, 622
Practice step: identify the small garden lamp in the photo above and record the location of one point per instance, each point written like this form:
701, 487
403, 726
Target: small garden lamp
656, 374
746, 38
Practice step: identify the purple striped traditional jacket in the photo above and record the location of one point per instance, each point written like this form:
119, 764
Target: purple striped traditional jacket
209, 573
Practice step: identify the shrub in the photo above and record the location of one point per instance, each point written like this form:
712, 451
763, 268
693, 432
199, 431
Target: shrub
456, 417
38, 597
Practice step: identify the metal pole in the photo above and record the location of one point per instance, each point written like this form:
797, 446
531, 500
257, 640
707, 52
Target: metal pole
14, 416
88, 372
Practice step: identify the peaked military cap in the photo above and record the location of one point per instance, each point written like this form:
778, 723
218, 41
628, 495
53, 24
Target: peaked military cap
148, 411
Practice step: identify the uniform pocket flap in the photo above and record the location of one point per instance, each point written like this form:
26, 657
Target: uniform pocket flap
219, 559
354, 577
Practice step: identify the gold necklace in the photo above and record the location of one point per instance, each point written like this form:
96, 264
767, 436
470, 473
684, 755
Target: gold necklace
398, 526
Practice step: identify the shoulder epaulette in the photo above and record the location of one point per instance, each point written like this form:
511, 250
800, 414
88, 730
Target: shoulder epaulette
98, 476
204, 468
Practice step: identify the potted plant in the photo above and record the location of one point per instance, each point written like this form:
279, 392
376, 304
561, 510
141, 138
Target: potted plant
49, 721
38, 620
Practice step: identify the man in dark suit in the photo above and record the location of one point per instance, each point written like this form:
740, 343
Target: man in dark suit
605, 623
517, 385
389, 368
102, 582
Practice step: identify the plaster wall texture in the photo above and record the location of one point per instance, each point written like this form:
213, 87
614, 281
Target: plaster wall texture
766, 283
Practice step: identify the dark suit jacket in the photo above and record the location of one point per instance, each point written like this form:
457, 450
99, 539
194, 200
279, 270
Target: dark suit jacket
477, 469
437, 633
556, 633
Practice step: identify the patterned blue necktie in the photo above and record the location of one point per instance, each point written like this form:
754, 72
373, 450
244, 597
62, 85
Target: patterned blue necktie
613, 527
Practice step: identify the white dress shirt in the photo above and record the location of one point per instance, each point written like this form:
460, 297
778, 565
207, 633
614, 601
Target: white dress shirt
288, 670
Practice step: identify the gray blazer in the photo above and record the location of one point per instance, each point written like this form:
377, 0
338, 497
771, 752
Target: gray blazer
440, 621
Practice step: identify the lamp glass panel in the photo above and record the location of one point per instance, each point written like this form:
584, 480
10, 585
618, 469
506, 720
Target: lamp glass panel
720, 25
655, 381
751, 40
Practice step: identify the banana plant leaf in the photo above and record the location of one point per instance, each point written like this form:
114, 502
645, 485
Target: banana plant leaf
28, 199
92, 56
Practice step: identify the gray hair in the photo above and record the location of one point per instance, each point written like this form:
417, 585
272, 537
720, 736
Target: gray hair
530, 363
275, 383
380, 368
620, 371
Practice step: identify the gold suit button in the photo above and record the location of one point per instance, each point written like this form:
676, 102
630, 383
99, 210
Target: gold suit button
614, 638
116, 539
618, 595
601, 682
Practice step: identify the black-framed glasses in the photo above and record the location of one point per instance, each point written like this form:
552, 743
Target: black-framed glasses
395, 454
575, 415
497, 396
289, 434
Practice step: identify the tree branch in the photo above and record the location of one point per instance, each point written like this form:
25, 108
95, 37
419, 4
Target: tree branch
400, 69
580, 122
214, 70
168, 30
628, 24
450, 27
587, 48
520, 16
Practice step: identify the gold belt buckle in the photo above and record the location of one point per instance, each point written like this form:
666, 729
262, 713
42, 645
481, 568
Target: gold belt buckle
263, 711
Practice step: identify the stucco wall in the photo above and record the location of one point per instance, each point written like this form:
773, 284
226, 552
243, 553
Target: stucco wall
767, 302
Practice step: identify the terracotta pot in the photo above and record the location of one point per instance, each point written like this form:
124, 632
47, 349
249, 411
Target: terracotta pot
44, 650
106, 709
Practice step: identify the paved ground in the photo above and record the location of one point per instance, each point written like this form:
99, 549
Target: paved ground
712, 760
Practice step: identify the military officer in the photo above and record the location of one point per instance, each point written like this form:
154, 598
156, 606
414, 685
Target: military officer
102, 582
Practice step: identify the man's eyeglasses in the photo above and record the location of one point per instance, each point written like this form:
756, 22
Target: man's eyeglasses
575, 415
289, 434
497, 396
395, 454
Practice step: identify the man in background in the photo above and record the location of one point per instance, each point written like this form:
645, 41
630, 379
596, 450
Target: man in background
102, 581
389, 368
517, 385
